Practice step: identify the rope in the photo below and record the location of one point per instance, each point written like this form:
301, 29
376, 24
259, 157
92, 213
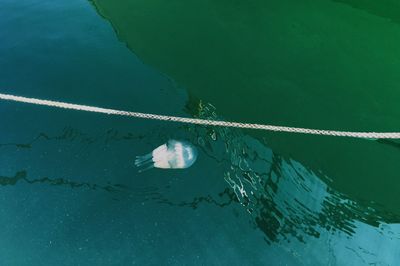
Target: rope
368, 135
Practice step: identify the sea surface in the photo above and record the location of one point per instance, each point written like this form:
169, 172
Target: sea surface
71, 195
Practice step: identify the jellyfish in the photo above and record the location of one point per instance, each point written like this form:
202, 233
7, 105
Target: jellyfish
175, 154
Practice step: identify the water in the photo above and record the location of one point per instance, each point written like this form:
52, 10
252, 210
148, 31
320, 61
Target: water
72, 196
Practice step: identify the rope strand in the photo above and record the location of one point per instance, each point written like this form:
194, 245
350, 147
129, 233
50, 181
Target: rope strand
368, 135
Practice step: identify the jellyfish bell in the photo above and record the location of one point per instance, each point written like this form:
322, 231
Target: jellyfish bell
175, 154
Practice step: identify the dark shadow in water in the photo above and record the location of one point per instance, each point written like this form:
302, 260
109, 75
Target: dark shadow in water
389, 142
387, 9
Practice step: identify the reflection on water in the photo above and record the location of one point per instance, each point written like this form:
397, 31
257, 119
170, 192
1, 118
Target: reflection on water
73, 134
223, 199
22, 176
292, 205
68, 133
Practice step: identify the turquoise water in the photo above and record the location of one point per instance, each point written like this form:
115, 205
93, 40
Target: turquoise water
72, 196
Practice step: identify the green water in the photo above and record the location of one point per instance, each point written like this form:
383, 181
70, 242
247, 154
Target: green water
317, 64
71, 195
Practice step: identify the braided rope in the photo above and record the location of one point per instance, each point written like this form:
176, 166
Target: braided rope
369, 135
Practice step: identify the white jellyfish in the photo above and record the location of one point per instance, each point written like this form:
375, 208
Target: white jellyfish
175, 154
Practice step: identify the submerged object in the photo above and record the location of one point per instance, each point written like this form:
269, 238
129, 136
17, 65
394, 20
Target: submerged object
175, 154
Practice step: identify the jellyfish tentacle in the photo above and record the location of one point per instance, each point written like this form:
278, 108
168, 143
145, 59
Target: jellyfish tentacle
144, 159
146, 169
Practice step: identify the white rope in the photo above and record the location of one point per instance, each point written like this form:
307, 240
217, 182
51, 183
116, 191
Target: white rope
369, 135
